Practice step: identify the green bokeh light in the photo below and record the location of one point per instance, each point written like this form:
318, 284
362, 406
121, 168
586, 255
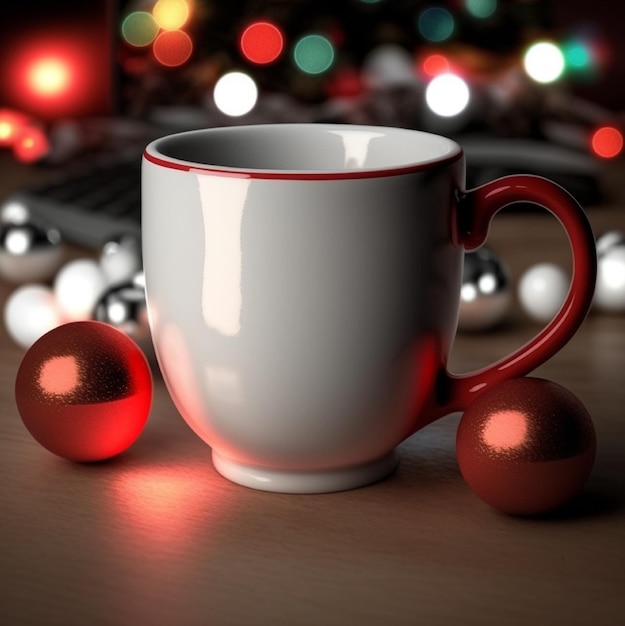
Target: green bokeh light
577, 56
313, 54
139, 28
436, 24
481, 8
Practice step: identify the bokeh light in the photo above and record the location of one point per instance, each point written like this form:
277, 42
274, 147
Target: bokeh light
436, 24
544, 62
435, 64
172, 48
607, 142
313, 54
576, 55
11, 123
235, 94
171, 14
31, 144
447, 95
262, 42
49, 76
139, 29
482, 9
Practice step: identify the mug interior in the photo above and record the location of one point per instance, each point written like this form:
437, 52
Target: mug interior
315, 148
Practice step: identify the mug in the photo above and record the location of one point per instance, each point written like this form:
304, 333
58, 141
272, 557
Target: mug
303, 288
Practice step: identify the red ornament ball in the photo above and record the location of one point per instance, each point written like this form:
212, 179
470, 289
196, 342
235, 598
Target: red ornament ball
84, 391
526, 446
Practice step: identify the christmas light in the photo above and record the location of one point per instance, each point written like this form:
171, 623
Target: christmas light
235, 94
481, 9
435, 64
607, 142
11, 123
313, 54
31, 144
544, 62
447, 95
576, 55
172, 48
53, 77
49, 76
139, 29
262, 42
171, 14
436, 24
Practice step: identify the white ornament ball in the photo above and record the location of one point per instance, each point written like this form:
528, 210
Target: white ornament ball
609, 240
29, 313
120, 259
77, 287
542, 291
610, 287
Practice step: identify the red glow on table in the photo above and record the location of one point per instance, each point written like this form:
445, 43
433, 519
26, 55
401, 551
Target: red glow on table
172, 48
607, 142
262, 42
164, 502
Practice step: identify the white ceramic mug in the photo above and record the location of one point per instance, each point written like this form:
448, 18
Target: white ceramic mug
303, 287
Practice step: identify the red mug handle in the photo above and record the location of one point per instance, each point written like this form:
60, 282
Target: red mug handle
474, 211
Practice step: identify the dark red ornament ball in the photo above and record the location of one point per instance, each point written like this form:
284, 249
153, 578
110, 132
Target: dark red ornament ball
84, 391
526, 446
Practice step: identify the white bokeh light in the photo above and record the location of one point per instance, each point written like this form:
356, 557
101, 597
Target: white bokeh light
447, 95
544, 62
235, 94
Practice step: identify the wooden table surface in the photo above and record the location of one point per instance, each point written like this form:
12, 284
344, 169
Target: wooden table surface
157, 537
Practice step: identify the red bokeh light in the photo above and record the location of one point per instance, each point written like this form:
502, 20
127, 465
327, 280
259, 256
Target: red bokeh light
607, 142
49, 77
58, 76
435, 64
11, 124
262, 42
31, 144
172, 48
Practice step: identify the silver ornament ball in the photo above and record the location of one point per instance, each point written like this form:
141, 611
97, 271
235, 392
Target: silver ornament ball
120, 258
29, 252
485, 293
123, 306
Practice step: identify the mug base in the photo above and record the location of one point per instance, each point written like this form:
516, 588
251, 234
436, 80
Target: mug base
296, 481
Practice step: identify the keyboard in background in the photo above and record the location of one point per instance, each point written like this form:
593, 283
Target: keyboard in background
92, 203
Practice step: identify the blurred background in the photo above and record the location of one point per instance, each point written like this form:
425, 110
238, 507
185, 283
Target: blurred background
543, 70
525, 86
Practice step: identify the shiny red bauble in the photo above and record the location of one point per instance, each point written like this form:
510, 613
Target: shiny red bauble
526, 446
84, 391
